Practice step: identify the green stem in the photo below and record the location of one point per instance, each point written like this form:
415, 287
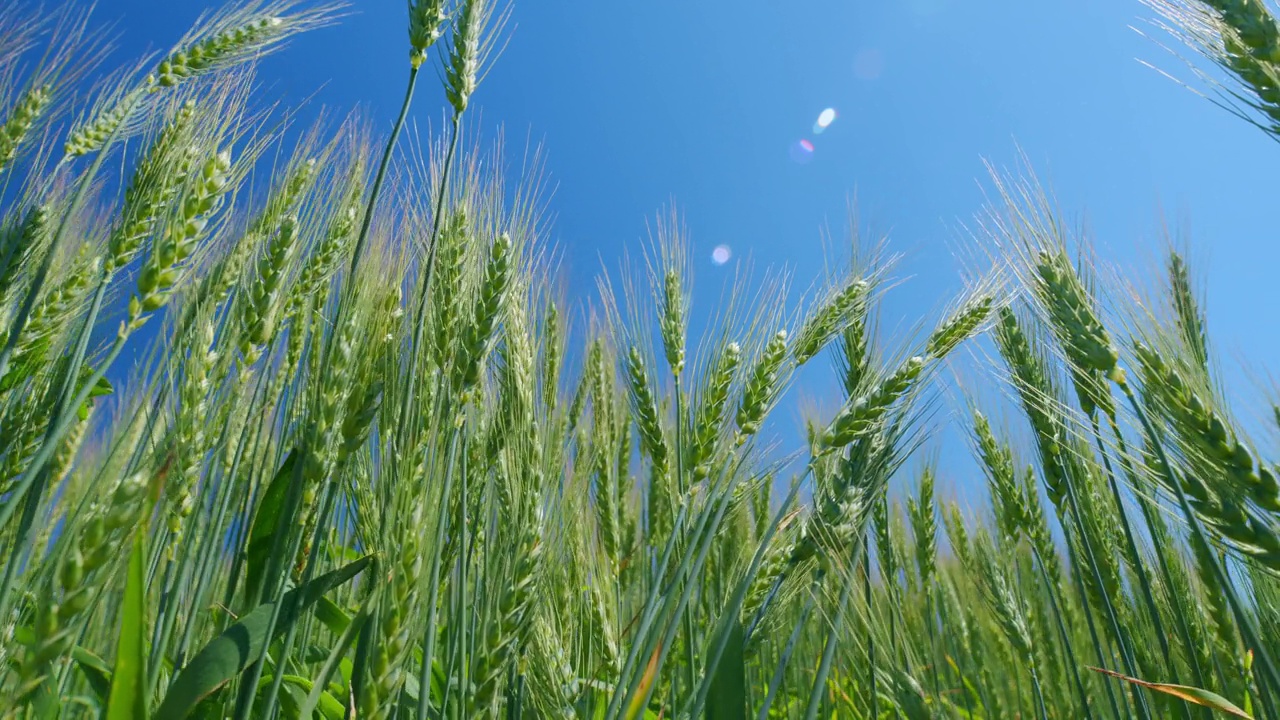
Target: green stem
735, 605
1053, 591
407, 420
380, 177
829, 651
1139, 568
871, 640
707, 529
433, 583
283, 545
1166, 575
42, 274
933, 643
34, 475
1247, 631
779, 672
1126, 656
690, 681
1039, 693
308, 571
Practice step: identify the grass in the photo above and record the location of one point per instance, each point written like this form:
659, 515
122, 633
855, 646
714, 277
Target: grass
369, 466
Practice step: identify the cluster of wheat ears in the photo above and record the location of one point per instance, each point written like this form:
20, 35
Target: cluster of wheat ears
367, 465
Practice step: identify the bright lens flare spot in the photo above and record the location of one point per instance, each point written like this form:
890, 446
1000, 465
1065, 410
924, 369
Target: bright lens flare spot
721, 254
802, 152
825, 118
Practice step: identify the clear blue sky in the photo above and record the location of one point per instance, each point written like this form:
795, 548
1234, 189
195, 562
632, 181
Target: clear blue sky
702, 101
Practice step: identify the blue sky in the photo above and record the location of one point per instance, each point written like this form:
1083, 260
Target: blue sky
701, 102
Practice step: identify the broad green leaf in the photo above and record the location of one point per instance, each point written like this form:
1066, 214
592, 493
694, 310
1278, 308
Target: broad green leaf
266, 521
1184, 692
437, 683
333, 661
128, 697
100, 388
728, 698
333, 617
909, 697
227, 655
95, 670
328, 705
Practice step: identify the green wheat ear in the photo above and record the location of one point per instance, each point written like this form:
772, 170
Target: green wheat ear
861, 414
761, 388
22, 117
959, 327
91, 548
426, 25
709, 416
828, 319
1071, 313
1243, 38
20, 244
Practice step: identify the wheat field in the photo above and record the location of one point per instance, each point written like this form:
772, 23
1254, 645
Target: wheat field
368, 462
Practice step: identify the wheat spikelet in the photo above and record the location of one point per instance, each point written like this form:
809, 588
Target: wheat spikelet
960, 326
861, 414
472, 43
50, 317
1006, 493
828, 319
22, 117
426, 25
509, 632
157, 180
66, 596
923, 512
162, 269
488, 307
674, 321
1243, 37
761, 387
21, 243
709, 416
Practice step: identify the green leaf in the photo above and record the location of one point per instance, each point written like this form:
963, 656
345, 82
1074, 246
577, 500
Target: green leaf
227, 655
333, 661
100, 388
96, 671
728, 698
332, 616
438, 682
1184, 692
328, 705
266, 522
128, 697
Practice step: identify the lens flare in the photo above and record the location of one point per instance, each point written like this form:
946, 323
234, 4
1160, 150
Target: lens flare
802, 151
721, 254
825, 118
